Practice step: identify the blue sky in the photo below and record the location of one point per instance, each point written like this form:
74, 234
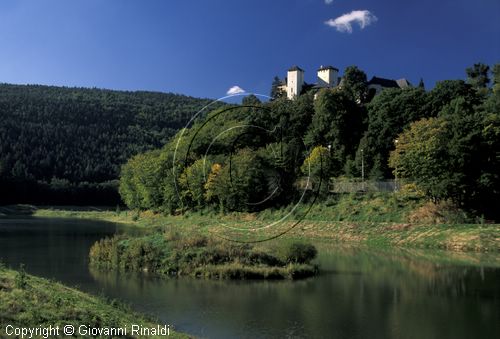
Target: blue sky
202, 48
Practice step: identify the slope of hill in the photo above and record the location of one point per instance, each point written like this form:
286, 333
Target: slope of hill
66, 145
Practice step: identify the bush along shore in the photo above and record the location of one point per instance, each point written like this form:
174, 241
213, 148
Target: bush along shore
171, 254
35, 303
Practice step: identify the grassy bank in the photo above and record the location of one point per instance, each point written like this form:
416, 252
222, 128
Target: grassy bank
28, 301
382, 220
172, 254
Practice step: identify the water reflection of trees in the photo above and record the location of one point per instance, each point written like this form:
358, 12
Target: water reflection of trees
437, 272
362, 293
412, 291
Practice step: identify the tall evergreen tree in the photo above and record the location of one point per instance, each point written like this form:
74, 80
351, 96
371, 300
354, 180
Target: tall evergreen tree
477, 76
421, 84
276, 91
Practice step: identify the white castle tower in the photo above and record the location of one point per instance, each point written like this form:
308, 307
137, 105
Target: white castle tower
295, 81
328, 76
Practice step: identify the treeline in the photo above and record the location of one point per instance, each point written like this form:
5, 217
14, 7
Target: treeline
66, 145
248, 157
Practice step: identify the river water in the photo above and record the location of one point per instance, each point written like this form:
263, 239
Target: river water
361, 293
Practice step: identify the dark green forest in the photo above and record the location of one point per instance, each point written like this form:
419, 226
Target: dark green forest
62, 145
249, 157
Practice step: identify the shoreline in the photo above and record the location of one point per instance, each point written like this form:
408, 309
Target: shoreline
31, 302
450, 237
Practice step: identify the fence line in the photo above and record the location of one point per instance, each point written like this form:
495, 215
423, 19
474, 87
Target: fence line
352, 185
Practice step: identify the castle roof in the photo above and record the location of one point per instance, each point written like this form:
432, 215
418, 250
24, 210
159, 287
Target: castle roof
323, 68
400, 83
383, 82
403, 83
295, 68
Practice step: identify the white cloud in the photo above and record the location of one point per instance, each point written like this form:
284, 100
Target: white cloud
344, 22
328, 2
235, 90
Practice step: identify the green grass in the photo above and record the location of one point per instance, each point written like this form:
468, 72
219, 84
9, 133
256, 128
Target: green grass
458, 237
172, 254
401, 219
28, 301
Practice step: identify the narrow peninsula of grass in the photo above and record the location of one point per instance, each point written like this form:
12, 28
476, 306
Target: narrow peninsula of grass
202, 257
31, 302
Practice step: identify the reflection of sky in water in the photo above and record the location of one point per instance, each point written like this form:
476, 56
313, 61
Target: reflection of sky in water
360, 294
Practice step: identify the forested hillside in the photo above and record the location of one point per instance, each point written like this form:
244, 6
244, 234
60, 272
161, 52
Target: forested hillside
66, 145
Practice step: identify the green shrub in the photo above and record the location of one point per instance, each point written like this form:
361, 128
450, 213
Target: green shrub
300, 253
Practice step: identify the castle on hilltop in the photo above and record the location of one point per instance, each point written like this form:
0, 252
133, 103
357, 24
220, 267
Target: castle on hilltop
328, 77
